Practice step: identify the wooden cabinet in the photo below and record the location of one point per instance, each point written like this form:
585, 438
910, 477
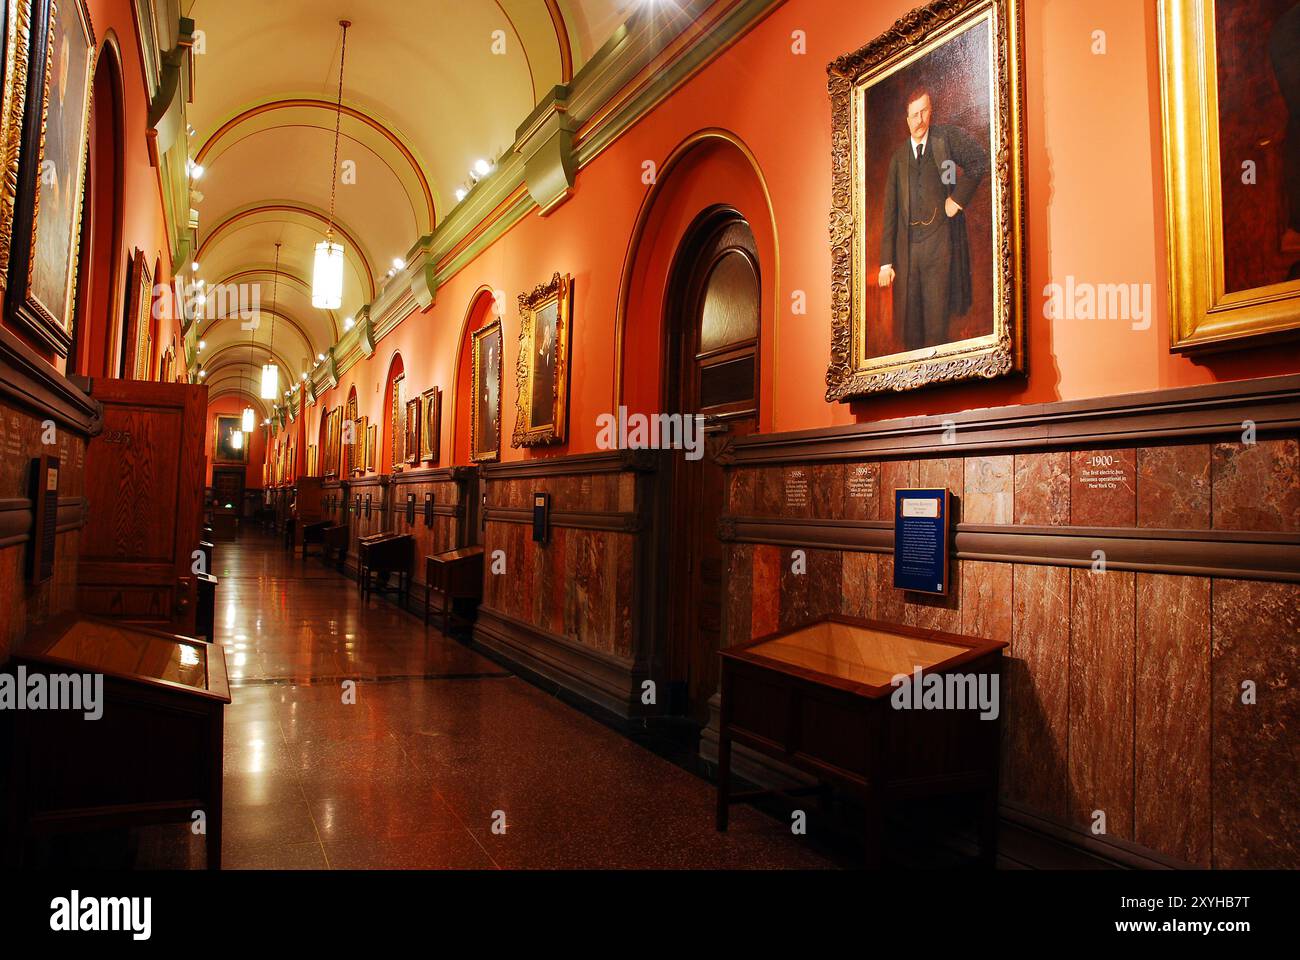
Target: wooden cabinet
821, 698
152, 755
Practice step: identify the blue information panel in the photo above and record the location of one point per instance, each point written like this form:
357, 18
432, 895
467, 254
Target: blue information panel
921, 540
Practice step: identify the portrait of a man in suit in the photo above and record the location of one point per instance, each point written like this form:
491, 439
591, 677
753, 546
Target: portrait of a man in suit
925, 252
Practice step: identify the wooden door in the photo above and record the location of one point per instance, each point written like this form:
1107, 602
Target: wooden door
712, 372
144, 487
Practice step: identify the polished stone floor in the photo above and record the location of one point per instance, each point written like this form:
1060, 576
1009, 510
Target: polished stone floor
359, 738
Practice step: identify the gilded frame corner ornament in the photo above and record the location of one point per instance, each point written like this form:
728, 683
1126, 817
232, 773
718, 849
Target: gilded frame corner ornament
850, 373
1203, 315
559, 290
479, 452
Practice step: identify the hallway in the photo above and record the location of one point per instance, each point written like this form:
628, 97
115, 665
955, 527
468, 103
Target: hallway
437, 741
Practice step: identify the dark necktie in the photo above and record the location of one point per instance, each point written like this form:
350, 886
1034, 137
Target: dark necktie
920, 149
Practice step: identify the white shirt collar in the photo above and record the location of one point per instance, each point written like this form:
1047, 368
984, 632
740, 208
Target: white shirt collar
919, 143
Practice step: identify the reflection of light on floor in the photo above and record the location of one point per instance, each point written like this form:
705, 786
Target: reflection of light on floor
257, 762
230, 614
240, 659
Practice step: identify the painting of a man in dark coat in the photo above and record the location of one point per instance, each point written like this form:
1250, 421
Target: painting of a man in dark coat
925, 251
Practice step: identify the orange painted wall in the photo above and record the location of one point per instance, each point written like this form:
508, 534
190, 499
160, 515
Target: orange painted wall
232, 406
1094, 210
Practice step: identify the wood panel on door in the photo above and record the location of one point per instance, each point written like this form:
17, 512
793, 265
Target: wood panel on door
712, 371
144, 487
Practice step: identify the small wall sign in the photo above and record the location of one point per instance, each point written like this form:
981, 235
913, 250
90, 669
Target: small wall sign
921, 540
541, 517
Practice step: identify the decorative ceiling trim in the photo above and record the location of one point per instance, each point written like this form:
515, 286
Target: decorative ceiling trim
256, 402
211, 366
562, 39
300, 102
316, 215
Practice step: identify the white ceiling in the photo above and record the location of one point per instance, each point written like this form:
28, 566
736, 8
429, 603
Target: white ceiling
424, 97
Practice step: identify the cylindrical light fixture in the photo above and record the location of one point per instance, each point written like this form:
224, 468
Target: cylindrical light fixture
327, 276
249, 422
270, 380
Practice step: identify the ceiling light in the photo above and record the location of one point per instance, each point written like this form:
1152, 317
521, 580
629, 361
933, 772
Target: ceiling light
202, 374
327, 274
461, 194
194, 266
482, 167
203, 344
399, 263
304, 374
320, 358
349, 323
196, 172
249, 421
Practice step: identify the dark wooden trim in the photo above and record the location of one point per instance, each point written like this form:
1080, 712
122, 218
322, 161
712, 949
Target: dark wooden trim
433, 475
27, 379
16, 518
608, 681
573, 519
611, 461
1185, 413
1240, 554
1121, 852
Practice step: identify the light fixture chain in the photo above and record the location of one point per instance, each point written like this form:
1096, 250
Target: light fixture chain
338, 121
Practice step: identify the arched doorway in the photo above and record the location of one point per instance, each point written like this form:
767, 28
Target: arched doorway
101, 289
393, 429
711, 353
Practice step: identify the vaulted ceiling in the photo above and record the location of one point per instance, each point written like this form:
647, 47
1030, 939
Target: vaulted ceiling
431, 87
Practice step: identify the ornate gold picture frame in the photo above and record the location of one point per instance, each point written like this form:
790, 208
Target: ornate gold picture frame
372, 444
485, 394
223, 451
542, 371
937, 294
431, 424
55, 78
1232, 219
412, 443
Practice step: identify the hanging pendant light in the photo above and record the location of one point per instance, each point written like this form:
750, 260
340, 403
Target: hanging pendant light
270, 372
327, 271
237, 439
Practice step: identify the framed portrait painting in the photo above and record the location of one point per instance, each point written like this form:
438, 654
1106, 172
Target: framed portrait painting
927, 188
140, 312
357, 448
542, 372
485, 394
1230, 92
411, 443
431, 424
50, 176
372, 443
223, 447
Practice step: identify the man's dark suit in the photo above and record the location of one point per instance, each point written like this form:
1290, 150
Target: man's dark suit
930, 251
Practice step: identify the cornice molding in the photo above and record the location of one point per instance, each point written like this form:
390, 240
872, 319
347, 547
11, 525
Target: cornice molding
641, 65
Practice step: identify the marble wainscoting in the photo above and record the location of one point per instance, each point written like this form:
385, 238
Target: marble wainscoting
573, 610
1142, 557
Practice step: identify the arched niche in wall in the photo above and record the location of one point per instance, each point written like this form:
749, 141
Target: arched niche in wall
481, 312
711, 169
101, 286
392, 429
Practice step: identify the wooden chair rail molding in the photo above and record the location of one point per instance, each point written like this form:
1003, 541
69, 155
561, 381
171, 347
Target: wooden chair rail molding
16, 518
608, 461
1220, 409
572, 519
1241, 555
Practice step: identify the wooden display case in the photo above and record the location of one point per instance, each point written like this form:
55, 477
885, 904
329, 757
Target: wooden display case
153, 756
820, 698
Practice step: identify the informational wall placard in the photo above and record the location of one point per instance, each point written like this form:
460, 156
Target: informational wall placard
921, 540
